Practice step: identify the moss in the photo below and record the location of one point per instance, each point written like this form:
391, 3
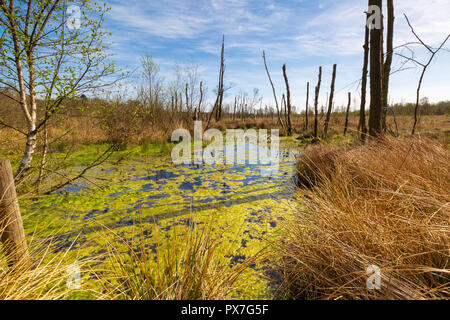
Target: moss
146, 188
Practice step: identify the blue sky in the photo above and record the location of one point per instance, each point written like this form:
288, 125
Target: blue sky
301, 33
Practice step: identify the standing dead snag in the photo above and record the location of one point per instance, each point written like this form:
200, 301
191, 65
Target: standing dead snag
330, 103
316, 104
220, 89
273, 90
348, 112
288, 103
388, 61
362, 112
424, 69
12, 233
376, 72
217, 108
197, 110
284, 108
307, 107
188, 107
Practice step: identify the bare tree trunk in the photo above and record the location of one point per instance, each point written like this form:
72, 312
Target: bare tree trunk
199, 110
388, 62
283, 108
362, 113
288, 102
219, 100
395, 121
12, 233
316, 104
424, 69
220, 88
348, 112
176, 101
212, 113
376, 79
188, 108
307, 107
274, 92
235, 106
330, 103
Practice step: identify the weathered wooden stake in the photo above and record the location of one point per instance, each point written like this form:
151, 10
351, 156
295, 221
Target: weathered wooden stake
12, 233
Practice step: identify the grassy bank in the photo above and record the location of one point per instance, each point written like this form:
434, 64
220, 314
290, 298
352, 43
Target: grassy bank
384, 204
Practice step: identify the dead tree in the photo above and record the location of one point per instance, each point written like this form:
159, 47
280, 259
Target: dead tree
274, 92
388, 62
307, 107
424, 69
348, 112
188, 108
283, 108
316, 104
197, 110
330, 103
200, 103
175, 101
376, 72
395, 122
288, 103
217, 108
220, 89
362, 128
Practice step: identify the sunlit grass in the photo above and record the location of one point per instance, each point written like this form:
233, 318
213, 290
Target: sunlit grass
384, 204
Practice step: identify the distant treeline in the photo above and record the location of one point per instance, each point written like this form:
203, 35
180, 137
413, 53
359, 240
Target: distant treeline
426, 108
407, 109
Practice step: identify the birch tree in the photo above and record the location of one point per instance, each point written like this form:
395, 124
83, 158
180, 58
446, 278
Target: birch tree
49, 52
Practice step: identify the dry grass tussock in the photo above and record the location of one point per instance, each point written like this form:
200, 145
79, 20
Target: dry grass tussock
188, 265
386, 204
44, 276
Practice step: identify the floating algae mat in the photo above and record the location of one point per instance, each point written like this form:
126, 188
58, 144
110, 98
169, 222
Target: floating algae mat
241, 202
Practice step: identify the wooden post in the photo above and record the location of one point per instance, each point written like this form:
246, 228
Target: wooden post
12, 233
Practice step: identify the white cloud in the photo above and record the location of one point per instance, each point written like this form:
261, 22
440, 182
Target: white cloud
295, 32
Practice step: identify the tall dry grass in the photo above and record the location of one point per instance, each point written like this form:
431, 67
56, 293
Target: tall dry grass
44, 276
188, 265
384, 204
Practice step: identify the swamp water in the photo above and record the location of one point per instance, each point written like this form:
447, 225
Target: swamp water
243, 205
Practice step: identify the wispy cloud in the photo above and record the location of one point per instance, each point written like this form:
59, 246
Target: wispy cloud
301, 33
